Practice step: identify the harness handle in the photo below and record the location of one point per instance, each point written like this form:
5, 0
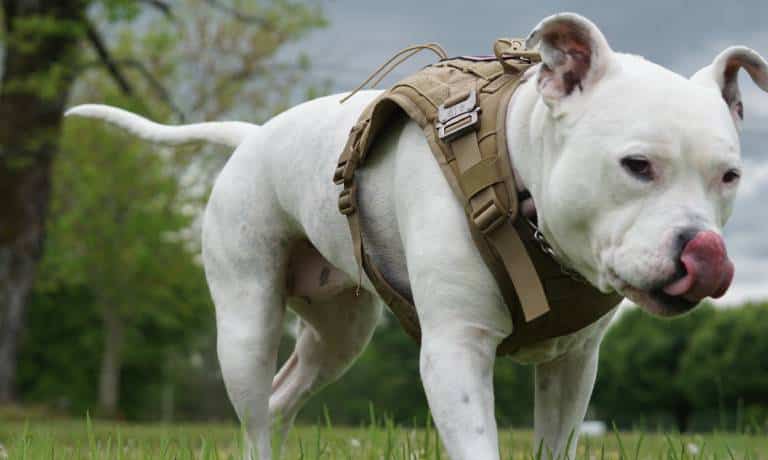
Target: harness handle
404, 54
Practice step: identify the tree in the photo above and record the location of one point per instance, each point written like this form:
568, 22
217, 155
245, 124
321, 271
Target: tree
117, 227
40, 45
640, 372
725, 366
44, 56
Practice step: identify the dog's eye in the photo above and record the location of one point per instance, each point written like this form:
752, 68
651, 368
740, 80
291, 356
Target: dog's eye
731, 176
638, 167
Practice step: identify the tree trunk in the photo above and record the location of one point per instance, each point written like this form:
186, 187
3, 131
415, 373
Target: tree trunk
21, 235
111, 362
682, 416
38, 71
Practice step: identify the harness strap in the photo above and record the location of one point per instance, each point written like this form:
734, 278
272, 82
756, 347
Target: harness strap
512, 252
400, 306
345, 175
490, 212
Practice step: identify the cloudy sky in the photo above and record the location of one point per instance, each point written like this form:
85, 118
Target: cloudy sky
680, 35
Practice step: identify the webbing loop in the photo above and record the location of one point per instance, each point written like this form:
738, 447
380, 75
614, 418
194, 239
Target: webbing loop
507, 49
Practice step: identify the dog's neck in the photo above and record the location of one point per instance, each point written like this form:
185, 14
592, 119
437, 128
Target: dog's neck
524, 154
532, 141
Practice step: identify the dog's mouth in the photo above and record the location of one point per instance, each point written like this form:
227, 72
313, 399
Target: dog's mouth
658, 302
655, 300
703, 270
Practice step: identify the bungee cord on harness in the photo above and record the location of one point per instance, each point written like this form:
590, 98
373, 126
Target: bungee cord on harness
385, 69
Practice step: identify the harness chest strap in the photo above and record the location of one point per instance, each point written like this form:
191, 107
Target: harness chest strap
491, 212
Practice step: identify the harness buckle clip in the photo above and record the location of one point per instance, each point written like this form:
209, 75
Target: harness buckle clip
455, 119
488, 217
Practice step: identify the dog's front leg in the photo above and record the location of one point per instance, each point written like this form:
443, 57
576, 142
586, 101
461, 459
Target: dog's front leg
461, 311
563, 389
463, 320
457, 372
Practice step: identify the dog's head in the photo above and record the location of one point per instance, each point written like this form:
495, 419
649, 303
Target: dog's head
639, 165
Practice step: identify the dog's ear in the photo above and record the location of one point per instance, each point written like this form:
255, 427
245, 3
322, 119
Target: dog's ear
574, 54
722, 75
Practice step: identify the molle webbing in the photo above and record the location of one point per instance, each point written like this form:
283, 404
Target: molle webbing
461, 106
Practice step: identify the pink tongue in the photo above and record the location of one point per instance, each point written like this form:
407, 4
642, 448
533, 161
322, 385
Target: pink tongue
680, 286
708, 270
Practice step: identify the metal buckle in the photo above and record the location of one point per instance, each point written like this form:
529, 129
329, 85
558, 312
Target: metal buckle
488, 218
458, 118
522, 56
547, 249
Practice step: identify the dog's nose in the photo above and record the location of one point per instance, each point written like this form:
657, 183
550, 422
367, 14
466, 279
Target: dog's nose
709, 271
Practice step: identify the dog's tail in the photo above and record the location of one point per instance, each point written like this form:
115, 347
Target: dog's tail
229, 133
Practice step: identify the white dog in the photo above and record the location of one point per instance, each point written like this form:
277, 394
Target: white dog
633, 171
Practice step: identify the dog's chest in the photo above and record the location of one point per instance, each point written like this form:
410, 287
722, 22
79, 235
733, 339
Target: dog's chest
550, 349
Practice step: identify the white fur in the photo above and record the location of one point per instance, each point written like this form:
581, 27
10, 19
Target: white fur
619, 233
717, 77
229, 133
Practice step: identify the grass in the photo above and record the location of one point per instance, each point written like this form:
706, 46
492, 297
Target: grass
68, 439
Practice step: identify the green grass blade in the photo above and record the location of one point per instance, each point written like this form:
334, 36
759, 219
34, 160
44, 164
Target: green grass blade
639, 445
622, 452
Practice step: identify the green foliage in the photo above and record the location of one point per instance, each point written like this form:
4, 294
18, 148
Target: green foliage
31, 32
514, 393
221, 61
60, 359
117, 240
640, 366
706, 369
116, 215
726, 362
120, 10
122, 231
40, 56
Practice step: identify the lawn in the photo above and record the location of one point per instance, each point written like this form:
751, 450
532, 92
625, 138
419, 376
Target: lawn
67, 439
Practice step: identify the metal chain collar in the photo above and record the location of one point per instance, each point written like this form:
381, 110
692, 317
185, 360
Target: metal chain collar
547, 249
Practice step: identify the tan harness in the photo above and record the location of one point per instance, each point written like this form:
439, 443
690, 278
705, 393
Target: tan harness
461, 105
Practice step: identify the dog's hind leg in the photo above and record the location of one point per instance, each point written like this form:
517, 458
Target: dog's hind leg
247, 348
249, 319
246, 243
332, 334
